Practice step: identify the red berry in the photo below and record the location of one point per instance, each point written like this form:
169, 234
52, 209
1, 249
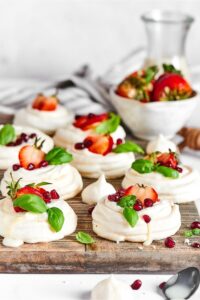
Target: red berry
195, 225
31, 167
24, 137
32, 135
169, 242
18, 209
47, 197
90, 115
147, 219
77, 117
90, 210
136, 285
54, 195
138, 206
148, 202
162, 285
18, 141
119, 141
79, 146
43, 164
196, 245
16, 167
88, 143
11, 144
114, 197
180, 170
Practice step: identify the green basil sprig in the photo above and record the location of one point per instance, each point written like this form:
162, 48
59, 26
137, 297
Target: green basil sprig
128, 147
127, 201
144, 166
7, 134
110, 125
84, 238
58, 156
35, 204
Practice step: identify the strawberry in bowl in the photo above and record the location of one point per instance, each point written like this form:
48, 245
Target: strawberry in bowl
33, 214
34, 165
45, 113
164, 109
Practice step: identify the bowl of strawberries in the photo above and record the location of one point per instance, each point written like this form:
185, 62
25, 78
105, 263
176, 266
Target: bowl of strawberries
151, 103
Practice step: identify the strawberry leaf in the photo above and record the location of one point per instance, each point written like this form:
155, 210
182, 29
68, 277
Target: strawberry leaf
55, 218
131, 216
171, 69
7, 134
31, 203
108, 126
128, 147
58, 156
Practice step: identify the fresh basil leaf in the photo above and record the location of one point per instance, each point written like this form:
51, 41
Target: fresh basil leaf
131, 216
143, 166
128, 147
150, 73
127, 201
167, 172
84, 238
58, 156
38, 184
55, 218
171, 69
31, 203
110, 125
7, 134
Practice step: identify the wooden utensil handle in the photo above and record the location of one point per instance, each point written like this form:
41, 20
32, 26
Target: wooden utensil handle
191, 138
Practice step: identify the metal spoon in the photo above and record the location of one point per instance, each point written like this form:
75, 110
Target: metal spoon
182, 285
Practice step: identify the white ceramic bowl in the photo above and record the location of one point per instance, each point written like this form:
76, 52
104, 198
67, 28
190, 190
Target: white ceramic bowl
148, 120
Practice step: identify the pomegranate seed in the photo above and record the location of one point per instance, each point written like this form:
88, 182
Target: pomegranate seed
16, 167
148, 202
90, 210
162, 285
54, 195
136, 285
195, 245
77, 117
87, 143
121, 192
47, 197
147, 219
169, 242
19, 209
32, 135
195, 225
24, 137
79, 146
43, 164
90, 115
119, 141
138, 206
19, 141
11, 144
31, 167
180, 170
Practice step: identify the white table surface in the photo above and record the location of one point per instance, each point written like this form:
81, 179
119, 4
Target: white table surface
78, 287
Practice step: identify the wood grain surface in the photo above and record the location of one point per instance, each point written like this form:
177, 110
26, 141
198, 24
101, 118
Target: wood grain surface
68, 256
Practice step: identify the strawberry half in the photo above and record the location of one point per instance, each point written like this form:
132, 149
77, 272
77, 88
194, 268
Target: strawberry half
90, 121
44, 103
168, 159
171, 86
99, 144
30, 190
142, 192
30, 157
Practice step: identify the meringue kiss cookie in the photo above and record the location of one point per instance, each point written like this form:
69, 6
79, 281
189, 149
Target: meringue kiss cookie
45, 113
96, 191
109, 222
28, 227
161, 144
64, 178
22, 136
183, 189
112, 289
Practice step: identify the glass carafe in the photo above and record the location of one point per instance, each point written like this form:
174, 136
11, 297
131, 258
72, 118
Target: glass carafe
166, 35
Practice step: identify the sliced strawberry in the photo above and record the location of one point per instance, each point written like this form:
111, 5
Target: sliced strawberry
142, 192
171, 86
90, 121
168, 159
30, 157
30, 190
99, 144
44, 103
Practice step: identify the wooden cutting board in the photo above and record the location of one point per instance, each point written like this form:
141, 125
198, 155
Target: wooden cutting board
68, 256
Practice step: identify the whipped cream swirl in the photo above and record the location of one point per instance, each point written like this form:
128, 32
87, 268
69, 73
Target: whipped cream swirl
112, 289
9, 154
108, 222
180, 190
64, 178
19, 228
97, 190
161, 144
46, 121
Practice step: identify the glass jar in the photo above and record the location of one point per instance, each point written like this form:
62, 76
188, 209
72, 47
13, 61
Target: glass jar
166, 35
